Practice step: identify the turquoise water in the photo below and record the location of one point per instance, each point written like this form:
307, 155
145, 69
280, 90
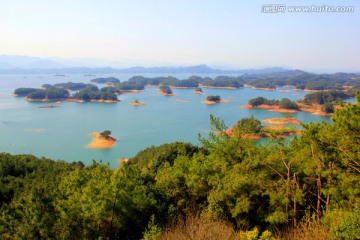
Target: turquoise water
64, 132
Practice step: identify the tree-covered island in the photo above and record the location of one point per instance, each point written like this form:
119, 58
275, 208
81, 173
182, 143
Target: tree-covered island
64, 92
210, 100
166, 90
199, 90
109, 80
321, 103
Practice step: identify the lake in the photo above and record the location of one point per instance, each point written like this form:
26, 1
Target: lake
64, 132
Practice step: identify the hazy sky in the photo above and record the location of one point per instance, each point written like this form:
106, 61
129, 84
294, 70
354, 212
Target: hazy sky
233, 32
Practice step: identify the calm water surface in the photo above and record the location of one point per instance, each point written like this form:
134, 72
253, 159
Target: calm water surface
64, 132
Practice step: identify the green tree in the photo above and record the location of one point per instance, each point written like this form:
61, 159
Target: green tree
249, 126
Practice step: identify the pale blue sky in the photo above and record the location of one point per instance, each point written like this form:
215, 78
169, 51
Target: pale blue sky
185, 32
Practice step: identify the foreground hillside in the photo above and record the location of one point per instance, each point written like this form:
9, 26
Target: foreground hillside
225, 188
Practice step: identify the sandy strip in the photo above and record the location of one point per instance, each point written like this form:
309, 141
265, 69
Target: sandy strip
167, 95
264, 106
214, 102
204, 86
137, 104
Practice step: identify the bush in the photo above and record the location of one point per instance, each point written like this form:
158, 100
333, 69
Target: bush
288, 104
213, 98
328, 108
349, 227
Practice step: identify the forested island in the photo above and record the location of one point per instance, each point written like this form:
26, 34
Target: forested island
296, 79
322, 103
226, 187
191, 82
166, 90
108, 80
61, 92
199, 90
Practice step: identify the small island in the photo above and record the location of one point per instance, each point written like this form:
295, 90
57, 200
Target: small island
108, 80
198, 90
210, 100
251, 128
102, 140
49, 106
166, 91
137, 103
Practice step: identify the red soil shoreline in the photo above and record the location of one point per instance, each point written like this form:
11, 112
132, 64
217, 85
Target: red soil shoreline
137, 104
215, 102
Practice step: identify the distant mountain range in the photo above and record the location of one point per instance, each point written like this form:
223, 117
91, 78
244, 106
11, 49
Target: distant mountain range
13, 64
200, 69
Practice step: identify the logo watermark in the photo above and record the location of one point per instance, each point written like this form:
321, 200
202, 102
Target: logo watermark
282, 8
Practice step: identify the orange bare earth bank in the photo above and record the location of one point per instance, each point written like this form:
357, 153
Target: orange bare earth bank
137, 104
215, 102
272, 108
102, 142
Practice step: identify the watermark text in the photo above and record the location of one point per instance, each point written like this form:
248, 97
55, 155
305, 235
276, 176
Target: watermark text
282, 8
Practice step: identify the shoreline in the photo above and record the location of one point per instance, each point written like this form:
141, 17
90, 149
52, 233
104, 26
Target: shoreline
131, 91
60, 100
167, 94
49, 106
272, 108
215, 102
315, 109
137, 104
260, 88
231, 88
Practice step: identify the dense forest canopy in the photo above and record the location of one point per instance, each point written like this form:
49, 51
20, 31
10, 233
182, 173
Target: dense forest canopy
283, 103
261, 100
326, 97
24, 91
50, 94
102, 94
310, 183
